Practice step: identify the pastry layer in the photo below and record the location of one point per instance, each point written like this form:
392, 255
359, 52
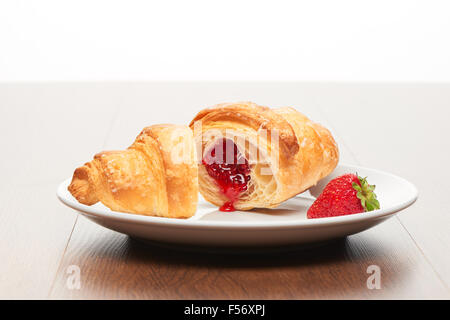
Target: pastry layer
157, 175
287, 152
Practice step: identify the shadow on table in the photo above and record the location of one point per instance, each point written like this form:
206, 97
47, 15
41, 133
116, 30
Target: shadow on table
138, 269
319, 253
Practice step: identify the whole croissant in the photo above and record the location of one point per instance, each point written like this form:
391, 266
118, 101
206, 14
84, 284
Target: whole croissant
281, 152
156, 175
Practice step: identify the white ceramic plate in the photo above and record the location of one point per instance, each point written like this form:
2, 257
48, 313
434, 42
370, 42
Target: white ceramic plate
286, 225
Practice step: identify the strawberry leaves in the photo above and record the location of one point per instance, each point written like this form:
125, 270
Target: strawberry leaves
365, 193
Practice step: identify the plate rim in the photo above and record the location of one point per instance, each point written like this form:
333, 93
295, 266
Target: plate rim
200, 224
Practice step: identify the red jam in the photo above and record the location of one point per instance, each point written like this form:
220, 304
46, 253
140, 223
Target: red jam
230, 170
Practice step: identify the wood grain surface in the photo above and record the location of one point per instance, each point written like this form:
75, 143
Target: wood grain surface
49, 129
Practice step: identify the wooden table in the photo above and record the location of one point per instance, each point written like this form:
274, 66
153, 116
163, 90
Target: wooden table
49, 129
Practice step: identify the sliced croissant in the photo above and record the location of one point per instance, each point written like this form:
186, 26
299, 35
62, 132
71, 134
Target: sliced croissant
282, 153
156, 175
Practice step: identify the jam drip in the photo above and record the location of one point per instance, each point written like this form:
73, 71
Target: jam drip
226, 165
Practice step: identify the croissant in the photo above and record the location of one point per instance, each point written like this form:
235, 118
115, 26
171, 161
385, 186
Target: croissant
256, 157
157, 175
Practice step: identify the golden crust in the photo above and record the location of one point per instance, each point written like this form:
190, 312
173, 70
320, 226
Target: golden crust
181, 172
156, 175
280, 168
253, 116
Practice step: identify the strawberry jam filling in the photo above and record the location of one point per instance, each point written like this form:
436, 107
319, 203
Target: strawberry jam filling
229, 168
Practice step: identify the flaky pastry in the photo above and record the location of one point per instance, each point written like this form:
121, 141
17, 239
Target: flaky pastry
275, 154
156, 175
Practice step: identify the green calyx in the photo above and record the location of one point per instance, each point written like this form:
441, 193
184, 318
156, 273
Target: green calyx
366, 195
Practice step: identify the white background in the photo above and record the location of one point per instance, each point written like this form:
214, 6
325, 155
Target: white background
225, 40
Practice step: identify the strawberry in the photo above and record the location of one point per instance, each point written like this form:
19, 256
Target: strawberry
347, 194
